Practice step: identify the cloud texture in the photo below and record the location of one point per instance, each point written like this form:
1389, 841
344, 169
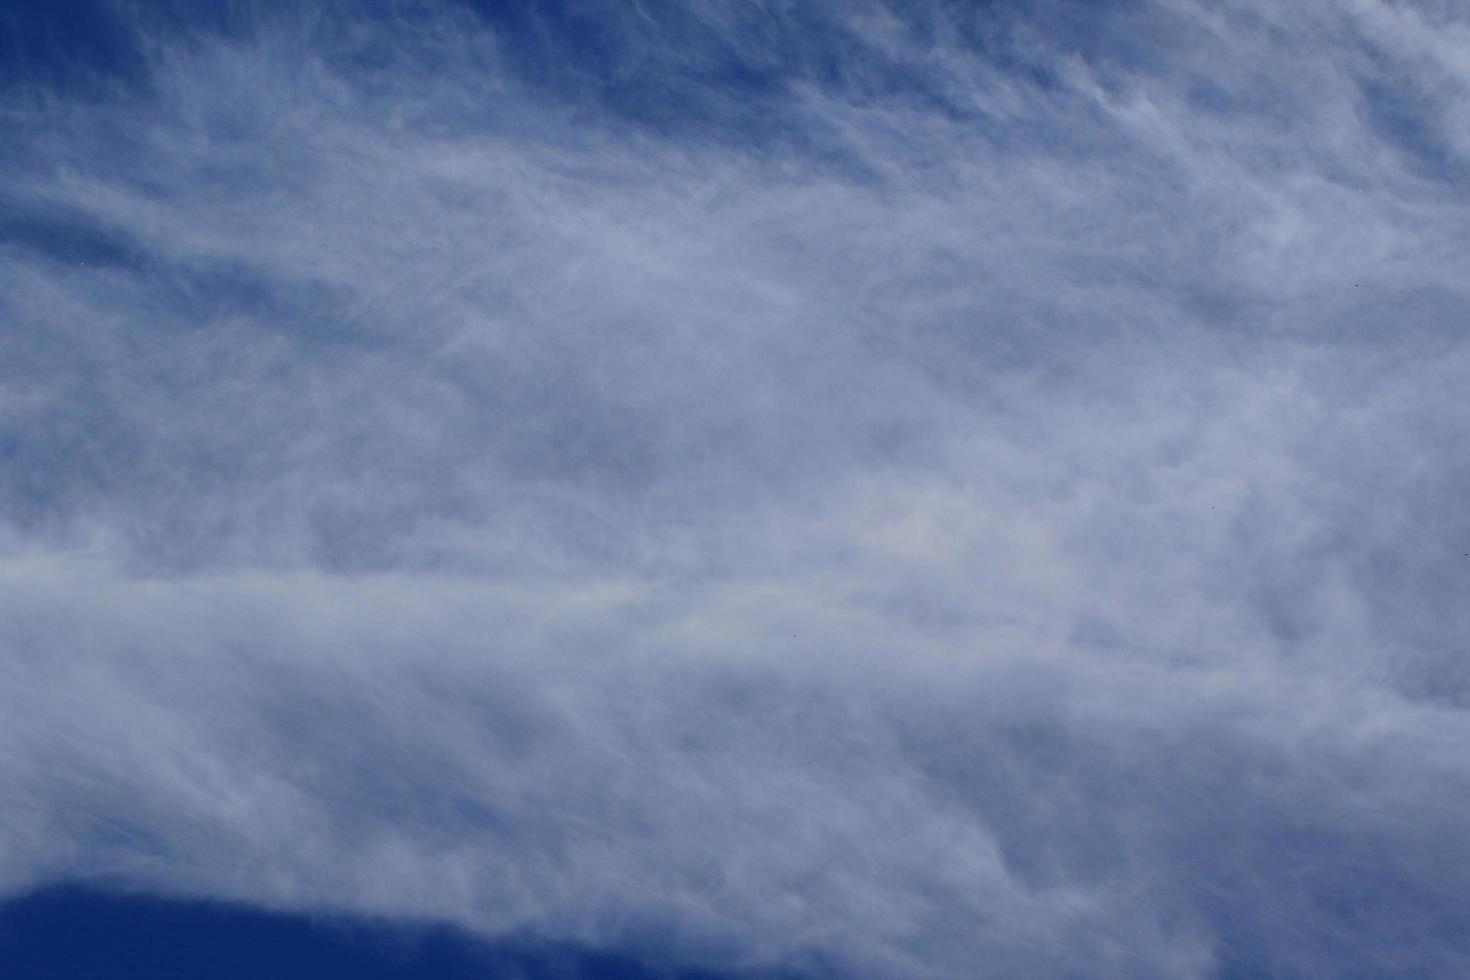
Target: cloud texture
900, 489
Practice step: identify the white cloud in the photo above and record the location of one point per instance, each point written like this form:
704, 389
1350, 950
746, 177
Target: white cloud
999, 506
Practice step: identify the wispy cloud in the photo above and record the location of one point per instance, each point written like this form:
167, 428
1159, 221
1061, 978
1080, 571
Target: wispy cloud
908, 487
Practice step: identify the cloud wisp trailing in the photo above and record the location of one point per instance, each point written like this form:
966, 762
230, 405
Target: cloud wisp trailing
929, 492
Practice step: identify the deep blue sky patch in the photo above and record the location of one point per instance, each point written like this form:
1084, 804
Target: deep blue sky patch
84, 935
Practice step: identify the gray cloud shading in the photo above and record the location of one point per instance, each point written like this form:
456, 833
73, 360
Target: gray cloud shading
938, 493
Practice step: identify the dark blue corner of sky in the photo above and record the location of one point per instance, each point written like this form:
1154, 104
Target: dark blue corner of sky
72, 934
68, 45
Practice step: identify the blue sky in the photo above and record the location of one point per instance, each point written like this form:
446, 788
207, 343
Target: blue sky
923, 490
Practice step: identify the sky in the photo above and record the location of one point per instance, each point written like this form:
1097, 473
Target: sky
743, 487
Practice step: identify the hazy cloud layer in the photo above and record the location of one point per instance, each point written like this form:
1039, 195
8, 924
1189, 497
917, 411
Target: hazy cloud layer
925, 491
